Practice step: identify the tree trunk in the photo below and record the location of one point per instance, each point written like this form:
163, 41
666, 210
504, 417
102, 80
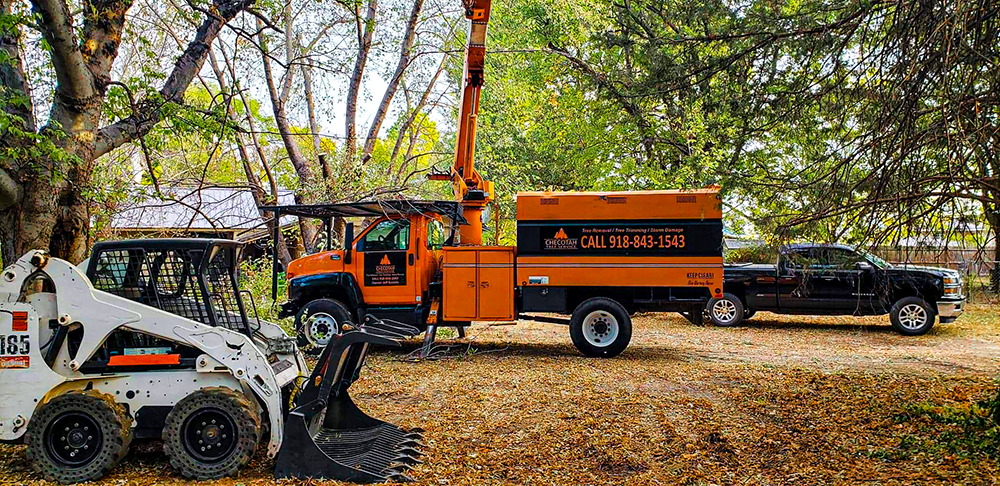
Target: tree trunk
308, 230
405, 55
314, 126
259, 196
364, 45
42, 195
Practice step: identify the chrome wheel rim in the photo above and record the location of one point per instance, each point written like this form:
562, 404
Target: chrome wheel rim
600, 328
320, 328
912, 316
724, 311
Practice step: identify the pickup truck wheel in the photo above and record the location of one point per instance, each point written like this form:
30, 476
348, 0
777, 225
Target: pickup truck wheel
726, 311
320, 320
600, 328
912, 316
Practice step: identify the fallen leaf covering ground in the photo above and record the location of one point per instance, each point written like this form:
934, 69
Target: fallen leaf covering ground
783, 400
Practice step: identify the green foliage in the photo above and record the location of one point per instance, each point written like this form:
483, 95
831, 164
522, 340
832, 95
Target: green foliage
255, 277
771, 100
965, 429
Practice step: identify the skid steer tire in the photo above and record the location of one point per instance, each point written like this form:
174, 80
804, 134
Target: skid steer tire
211, 417
318, 321
95, 434
600, 328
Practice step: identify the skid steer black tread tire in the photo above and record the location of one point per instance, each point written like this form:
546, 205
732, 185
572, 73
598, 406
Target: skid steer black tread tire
112, 419
240, 410
576, 331
333, 307
736, 311
897, 308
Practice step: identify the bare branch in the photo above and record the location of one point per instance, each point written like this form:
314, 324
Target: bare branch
185, 69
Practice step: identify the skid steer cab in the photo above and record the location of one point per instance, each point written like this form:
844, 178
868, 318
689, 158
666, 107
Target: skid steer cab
154, 340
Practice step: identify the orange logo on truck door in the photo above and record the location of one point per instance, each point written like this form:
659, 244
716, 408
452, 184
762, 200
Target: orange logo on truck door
385, 260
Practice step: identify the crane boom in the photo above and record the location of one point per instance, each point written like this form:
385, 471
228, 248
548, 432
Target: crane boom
471, 188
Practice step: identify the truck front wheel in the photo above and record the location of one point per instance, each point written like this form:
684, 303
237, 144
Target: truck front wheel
319, 321
726, 311
600, 328
912, 316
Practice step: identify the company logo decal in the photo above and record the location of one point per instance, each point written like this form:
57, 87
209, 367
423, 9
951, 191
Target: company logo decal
561, 241
390, 269
14, 362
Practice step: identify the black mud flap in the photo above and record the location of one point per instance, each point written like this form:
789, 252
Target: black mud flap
328, 437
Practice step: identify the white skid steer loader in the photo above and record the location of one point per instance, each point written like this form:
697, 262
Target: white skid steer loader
154, 341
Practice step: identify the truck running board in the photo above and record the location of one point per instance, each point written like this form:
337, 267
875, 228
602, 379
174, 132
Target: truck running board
328, 437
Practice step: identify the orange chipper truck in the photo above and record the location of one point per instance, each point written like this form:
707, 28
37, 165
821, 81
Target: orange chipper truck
597, 257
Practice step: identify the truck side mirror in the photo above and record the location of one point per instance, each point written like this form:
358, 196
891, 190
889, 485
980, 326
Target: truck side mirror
863, 266
348, 241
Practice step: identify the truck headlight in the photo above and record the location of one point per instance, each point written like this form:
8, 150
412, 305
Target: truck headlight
952, 290
956, 281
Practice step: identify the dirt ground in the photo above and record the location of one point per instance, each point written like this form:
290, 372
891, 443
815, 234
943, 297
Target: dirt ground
783, 400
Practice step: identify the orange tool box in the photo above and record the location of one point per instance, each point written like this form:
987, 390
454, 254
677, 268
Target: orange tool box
478, 283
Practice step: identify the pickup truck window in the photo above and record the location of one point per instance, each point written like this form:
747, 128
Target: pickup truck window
874, 260
821, 258
836, 259
798, 259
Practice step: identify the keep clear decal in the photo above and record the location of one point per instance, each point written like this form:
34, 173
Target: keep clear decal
388, 269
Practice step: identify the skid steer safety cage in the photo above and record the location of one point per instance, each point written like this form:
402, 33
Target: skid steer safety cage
195, 279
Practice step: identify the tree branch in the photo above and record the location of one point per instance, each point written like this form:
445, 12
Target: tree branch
187, 66
75, 83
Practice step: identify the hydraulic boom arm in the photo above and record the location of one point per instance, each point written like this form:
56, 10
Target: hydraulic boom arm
471, 189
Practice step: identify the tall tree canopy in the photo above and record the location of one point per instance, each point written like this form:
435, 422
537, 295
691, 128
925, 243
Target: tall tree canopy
834, 119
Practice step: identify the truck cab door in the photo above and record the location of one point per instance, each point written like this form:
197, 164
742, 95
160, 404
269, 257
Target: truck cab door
386, 263
793, 282
837, 285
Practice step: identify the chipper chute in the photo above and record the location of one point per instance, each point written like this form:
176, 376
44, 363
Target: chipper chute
328, 437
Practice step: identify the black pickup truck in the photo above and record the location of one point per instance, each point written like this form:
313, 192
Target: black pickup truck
839, 280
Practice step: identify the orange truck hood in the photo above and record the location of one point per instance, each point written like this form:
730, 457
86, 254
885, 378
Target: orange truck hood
324, 262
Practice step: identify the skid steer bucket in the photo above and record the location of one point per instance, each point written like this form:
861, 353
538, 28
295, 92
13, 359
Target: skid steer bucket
328, 437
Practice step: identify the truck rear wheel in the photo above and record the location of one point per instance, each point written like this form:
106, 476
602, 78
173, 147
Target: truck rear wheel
211, 433
319, 320
912, 316
78, 437
600, 328
726, 311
